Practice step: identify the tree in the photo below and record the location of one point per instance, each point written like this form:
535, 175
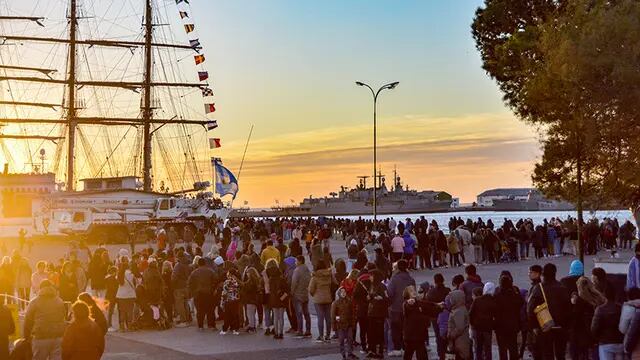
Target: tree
570, 68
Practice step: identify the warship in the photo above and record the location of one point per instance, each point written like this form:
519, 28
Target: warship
399, 199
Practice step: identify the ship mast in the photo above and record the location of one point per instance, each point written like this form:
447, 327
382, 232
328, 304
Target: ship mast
147, 111
71, 96
71, 118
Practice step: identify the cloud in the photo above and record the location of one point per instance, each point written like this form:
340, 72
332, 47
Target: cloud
462, 155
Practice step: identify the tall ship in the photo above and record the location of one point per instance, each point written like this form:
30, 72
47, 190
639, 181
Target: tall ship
399, 199
106, 115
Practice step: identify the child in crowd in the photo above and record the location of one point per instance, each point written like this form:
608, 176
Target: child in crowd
343, 320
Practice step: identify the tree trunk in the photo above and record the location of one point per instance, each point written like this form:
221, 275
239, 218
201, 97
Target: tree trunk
579, 209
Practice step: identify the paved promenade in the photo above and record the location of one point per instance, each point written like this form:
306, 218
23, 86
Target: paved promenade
189, 344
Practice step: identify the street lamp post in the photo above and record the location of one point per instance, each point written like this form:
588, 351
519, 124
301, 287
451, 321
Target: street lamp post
375, 149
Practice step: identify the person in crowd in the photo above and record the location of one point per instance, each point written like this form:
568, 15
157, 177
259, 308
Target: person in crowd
7, 328
268, 313
68, 283
417, 312
599, 279
507, 318
201, 284
630, 324
343, 320
23, 277
453, 246
278, 299
83, 339
39, 275
126, 294
633, 273
409, 248
576, 270
300, 296
553, 343
316, 253
95, 312
111, 291
167, 290
584, 303
458, 326
152, 281
250, 293
230, 301
395, 290
437, 294
472, 281
379, 302
397, 247
179, 283
604, 328
320, 290
44, 323
361, 301
270, 252
482, 319
98, 267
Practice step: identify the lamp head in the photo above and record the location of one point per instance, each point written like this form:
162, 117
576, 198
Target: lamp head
393, 85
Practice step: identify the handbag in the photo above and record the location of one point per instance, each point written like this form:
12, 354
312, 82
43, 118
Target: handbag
543, 315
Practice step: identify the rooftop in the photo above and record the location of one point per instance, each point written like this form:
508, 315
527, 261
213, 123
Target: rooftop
507, 192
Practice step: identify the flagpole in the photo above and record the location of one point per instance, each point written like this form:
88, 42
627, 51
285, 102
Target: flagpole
244, 154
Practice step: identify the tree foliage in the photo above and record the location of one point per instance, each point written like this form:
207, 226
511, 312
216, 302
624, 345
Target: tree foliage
572, 68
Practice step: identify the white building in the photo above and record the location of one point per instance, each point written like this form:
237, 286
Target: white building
486, 198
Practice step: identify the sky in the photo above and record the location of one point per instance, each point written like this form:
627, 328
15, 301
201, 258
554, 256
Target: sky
288, 67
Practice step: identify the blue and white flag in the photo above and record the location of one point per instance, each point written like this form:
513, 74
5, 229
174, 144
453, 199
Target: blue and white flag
226, 183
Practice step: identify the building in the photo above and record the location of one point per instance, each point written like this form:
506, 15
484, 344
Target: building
486, 198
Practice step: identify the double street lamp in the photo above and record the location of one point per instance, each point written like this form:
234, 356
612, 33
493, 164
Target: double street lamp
375, 177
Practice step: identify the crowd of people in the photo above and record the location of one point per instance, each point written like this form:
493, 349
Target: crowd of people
367, 302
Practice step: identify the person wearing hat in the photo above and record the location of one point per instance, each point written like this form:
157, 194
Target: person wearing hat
44, 322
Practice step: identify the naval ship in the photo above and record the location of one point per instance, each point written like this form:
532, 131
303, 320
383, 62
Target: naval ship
358, 200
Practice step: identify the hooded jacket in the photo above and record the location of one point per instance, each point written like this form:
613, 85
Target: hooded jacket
83, 340
342, 315
269, 252
400, 281
417, 313
45, 316
320, 286
483, 310
472, 282
180, 276
458, 325
202, 281
300, 283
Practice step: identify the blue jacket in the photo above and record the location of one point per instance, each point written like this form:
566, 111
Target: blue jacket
409, 243
395, 289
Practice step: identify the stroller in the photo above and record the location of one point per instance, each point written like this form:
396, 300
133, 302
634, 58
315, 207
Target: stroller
150, 316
